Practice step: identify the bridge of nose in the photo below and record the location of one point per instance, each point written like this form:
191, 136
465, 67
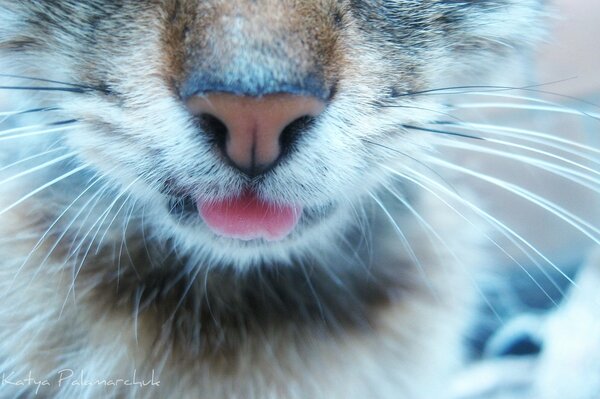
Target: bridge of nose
255, 124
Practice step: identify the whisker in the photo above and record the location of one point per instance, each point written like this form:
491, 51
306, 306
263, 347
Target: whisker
405, 242
7, 115
501, 227
534, 100
99, 222
525, 107
145, 239
436, 111
30, 158
433, 233
32, 127
467, 89
186, 291
478, 89
39, 167
29, 111
534, 150
36, 79
361, 220
567, 173
78, 264
503, 93
43, 187
95, 197
312, 289
444, 132
49, 229
43, 88
38, 133
550, 206
419, 162
523, 134
112, 221
123, 244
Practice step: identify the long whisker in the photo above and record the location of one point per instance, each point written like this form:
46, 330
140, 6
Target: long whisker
523, 134
95, 197
193, 278
418, 180
25, 135
534, 100
573, 220
432, 232
470, 89
123, 244
43, 187
36, 79
503, 229
30, 111
49, 229
34, 127
526, 107
414, 159
567, 173
99, 222
478, 89
435, 111
10, 114
30, 158
112, 221
527, 148
311, 287
444, 132
405, 242
39, 167
47, 88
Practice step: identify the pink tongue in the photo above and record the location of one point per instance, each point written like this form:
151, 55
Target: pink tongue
248, 217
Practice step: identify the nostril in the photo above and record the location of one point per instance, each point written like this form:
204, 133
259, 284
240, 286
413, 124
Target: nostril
292, 131
214, 128
253, 133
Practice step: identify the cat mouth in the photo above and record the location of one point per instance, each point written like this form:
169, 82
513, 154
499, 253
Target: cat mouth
247, 216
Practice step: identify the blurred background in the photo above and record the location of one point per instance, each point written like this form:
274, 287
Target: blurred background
540, 337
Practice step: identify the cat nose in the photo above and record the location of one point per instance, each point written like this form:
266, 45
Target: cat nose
254, 132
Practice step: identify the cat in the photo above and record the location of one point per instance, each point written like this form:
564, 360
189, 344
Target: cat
217, 199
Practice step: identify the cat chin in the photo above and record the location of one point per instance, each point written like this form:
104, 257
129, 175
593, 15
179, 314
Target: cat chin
311, 237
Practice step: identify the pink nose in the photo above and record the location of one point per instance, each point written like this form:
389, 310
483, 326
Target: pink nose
255, 126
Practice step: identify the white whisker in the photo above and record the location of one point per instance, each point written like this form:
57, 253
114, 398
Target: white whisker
567, 173
99, 222
39, 167
502, 227
405, 242
573, 220
527, 135
37, 133
30, 158
26, 129
43, 187
94, 198
433, 233
525, 107
49, 229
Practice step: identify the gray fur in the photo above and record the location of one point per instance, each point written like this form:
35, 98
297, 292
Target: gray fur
339, 309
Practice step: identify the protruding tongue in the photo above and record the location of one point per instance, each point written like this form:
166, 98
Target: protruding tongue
248, 217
